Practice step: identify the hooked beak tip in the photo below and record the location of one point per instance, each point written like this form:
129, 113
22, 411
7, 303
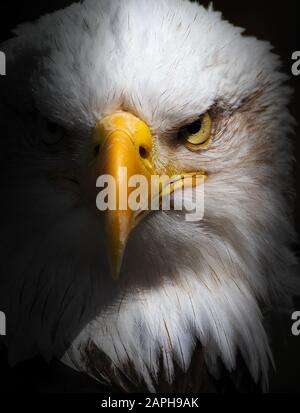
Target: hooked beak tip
117, 239
115, 265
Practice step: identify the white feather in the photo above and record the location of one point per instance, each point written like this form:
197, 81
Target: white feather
166, 61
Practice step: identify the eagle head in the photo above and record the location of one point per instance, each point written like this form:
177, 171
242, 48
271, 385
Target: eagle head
161, 88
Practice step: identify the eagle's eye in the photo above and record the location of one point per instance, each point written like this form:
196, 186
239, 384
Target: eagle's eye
50, 133
197, 134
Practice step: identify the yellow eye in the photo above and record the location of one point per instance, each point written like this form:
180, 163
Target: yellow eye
197, 135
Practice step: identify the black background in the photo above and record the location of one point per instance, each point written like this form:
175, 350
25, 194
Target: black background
269, 20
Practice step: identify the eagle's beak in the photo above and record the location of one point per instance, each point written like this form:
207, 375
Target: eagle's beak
121, 142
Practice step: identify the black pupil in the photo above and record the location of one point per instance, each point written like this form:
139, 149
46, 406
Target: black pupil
52, 128
195, 127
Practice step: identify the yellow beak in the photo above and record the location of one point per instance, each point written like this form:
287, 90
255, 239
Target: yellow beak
120, 141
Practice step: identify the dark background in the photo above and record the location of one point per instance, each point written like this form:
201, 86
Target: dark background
268, 20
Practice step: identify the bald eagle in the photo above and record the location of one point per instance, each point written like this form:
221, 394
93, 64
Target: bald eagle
154, 303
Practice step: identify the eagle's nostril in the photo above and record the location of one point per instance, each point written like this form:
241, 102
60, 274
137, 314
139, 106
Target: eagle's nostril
144, 152
97, 150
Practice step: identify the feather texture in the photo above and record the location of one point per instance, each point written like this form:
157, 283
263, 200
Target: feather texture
166, 61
